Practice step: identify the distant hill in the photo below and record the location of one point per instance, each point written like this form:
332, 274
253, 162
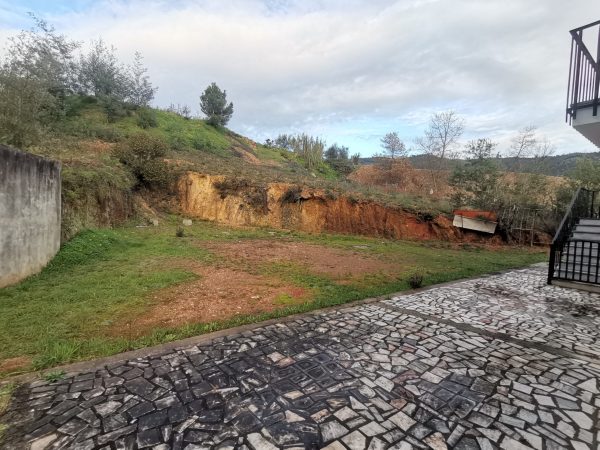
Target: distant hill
557, 165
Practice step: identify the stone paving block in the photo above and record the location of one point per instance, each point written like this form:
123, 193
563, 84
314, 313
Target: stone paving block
371, 376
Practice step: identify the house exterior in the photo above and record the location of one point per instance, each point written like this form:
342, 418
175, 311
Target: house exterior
583, 103
575, 249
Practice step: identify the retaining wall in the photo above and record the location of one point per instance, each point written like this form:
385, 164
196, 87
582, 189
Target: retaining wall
29, 213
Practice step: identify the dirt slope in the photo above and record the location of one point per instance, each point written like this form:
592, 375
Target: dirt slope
280, 205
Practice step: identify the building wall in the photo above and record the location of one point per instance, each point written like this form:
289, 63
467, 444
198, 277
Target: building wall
29, 213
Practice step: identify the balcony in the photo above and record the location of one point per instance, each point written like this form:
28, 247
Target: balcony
584, 82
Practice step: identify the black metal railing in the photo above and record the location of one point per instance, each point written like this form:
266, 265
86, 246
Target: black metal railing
584, 72
574, 259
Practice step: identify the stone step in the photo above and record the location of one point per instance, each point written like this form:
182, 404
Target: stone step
589, 222
578, 252
595, 229
590, 237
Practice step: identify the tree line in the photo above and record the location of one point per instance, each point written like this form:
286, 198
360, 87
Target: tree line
314, 151
42, 71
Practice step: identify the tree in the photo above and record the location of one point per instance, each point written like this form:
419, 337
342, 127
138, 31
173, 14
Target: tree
477, 181
43, 55
393, 145
101, 74
439, 140
283, 141
141, 92
337, 157
309, 148
213, 103
442, 134
587, 173
36, 74
522, 146
524, 143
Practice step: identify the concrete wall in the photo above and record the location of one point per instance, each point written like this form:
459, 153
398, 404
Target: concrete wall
29, 213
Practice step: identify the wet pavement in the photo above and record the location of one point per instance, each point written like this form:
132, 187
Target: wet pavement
497, 362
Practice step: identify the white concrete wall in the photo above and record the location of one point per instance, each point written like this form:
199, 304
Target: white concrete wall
588, 124
29, 213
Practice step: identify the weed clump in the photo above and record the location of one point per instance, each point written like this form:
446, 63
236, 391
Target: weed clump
146, 118
292, 195
180, 232
415, 280
253, 194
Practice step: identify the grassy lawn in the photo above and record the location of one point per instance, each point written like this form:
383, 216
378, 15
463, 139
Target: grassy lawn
102, 277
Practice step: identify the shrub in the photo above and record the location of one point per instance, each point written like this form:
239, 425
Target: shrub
200, 142
146, 118
415, 280
143, 155
177, 142
115, 109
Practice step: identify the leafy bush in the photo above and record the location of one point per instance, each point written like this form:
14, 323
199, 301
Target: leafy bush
415, 280
177, 142
200, 142
143, 155
115, 109
146, 118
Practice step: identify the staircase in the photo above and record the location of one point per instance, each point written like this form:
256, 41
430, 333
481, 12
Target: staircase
575, 250
579, 260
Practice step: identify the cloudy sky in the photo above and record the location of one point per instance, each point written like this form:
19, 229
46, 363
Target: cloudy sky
346, 70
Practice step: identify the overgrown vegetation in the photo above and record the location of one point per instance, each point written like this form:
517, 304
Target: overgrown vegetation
143, 154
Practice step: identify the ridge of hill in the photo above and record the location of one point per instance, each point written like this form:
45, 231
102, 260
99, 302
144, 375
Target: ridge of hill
555, 165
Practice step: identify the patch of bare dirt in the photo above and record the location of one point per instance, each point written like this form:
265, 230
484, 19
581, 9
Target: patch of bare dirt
219, 294
17, 364
340, 265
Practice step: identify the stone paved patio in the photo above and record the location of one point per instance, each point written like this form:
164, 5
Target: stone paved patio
498, 362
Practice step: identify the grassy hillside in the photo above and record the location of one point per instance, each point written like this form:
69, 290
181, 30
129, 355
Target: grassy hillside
99, 191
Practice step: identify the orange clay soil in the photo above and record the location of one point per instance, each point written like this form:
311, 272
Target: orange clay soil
225, 292
339, 265
17, 364
219, 294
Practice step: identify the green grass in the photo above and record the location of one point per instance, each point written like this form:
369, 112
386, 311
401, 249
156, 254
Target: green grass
99, 277
6, 391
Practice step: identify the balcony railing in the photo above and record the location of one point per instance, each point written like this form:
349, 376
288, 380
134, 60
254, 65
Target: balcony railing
575, 259
584, 71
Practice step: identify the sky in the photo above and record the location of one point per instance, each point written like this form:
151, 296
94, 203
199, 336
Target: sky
348, 71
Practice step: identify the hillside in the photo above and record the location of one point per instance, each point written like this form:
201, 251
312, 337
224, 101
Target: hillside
98, 190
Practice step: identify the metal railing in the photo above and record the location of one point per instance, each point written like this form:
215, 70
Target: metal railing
576, 259
584, 72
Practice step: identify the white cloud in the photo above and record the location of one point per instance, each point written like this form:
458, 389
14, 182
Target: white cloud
351, 70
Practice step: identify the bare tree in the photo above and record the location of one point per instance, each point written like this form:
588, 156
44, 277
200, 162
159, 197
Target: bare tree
523, 143
439, 140
393, 145
442, 134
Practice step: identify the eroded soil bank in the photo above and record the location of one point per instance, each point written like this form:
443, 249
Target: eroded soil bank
279, 205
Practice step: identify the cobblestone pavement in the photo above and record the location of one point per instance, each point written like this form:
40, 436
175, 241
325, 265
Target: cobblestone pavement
498, 362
